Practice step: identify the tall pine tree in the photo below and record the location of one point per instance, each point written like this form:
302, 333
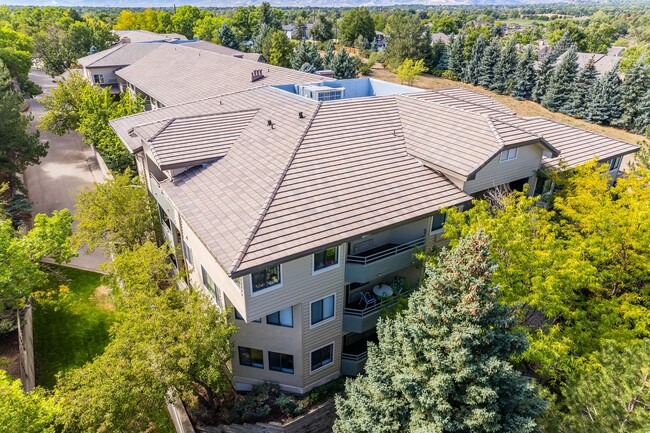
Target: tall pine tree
584, 84
604, 104
635, 86
443, 365
525, 75
471, 72
543, 76
487, 67
329, 55
306, 52
643, 121
343, 65
228, 37
506, 67
456, 58
558, 95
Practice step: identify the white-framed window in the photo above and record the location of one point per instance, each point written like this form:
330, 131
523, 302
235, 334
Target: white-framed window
508, 155
281, 318
98, 78
326, 259
281, 362
251, 357
614, 163
322, 311
208, 283
266, 278
187, 252
321, 357
238, 316
438, 222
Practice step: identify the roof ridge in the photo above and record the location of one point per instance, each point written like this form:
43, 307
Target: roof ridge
169, 122
578, 128
107, 52
195, 116
267, 204
440, 104
493, 128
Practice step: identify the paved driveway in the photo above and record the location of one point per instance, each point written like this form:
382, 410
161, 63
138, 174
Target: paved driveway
68, 167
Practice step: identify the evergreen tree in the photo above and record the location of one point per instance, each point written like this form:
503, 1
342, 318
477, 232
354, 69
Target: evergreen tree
440, 56
635, 86
525, 75
643, 121
308, 67
329, 56
580, 91
604, 105
262, 38
306, 53
487, 67
228, 37
506, 67
562, 45
471, 72
456, 58
560, 86
343, 65
444, 364
543, 76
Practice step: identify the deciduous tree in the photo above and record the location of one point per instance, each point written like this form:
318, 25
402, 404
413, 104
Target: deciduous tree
280, 49
355, 22
32, 412
409, 70
322, 29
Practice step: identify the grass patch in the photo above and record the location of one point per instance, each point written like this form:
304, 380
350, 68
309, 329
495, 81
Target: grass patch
74, 332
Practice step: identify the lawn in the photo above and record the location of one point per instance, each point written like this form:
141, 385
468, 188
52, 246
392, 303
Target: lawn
523, 108
72, 334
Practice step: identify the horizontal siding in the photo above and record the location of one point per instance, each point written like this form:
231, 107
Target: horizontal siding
497, 173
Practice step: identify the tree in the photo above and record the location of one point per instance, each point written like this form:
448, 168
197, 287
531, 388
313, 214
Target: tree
322, 29
266, 16
471, 72
488, 63
581, 89
228, 37
280, 49
560, 86
355, 22
19, 147
343, 65
444, 364
165, 339
407, 40
409, 70
21, 273
635, 86
207, 28
243, 22
643, 121
63, 103
612, 397
32, 412
504, 74
16, 51
524, 81
456, 63
599, 37
604, 103
306, 53
115, 215
328, 58
184, 20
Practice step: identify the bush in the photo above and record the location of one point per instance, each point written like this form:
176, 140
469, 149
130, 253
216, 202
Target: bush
364, 68
263, 403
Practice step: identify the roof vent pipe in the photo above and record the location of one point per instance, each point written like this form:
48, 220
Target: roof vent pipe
301, 115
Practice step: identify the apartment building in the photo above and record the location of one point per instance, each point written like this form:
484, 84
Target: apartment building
299, 200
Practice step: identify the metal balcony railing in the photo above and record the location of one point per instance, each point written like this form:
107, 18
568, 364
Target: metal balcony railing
356, 358
388, 252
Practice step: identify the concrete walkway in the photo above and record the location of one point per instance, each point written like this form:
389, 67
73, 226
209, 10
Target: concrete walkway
68, 167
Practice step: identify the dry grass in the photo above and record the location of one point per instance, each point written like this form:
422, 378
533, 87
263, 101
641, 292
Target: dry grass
523, 108
102, 298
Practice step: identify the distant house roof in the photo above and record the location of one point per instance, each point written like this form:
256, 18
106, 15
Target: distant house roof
291, 27
603, 62
177, 73
220, 49
439, 37
118, 55
285, 175
615, 51
137, 36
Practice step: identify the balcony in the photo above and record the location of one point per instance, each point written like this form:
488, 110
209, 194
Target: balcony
159, 195
355, 355
388, 258
360, 318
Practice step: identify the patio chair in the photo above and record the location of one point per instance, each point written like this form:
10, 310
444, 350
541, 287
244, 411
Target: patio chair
368, 299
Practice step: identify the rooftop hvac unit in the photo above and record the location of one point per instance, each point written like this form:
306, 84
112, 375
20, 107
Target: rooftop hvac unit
321, 93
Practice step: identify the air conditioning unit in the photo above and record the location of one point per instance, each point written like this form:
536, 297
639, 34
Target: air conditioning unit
321, 93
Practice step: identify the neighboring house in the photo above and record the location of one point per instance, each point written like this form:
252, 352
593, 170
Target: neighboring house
380, 40
439, 37
543, 48
299, 200
291, 30
220, 49
603, 62
100, 67
140, 36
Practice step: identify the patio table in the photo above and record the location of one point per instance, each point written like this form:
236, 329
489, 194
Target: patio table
383, 290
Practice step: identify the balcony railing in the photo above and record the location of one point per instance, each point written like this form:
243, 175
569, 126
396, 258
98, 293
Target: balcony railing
381, 303
355, 358
391, 250
359, 320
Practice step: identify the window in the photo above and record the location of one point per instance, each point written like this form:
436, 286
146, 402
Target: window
615, 163
281, 362
508, 155
187, 251
330, 95
322, 310
281, 318
439, 220
240, 317
209, 283
266, 278
322, 357
98, 78
326, 258
251, 357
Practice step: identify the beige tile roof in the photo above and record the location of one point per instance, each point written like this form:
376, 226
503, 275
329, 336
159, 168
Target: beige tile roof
146, 36
120, 55
185, 141
220, 49
345, 168
174, 73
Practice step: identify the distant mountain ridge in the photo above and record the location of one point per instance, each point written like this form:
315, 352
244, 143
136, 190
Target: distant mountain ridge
280, 3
